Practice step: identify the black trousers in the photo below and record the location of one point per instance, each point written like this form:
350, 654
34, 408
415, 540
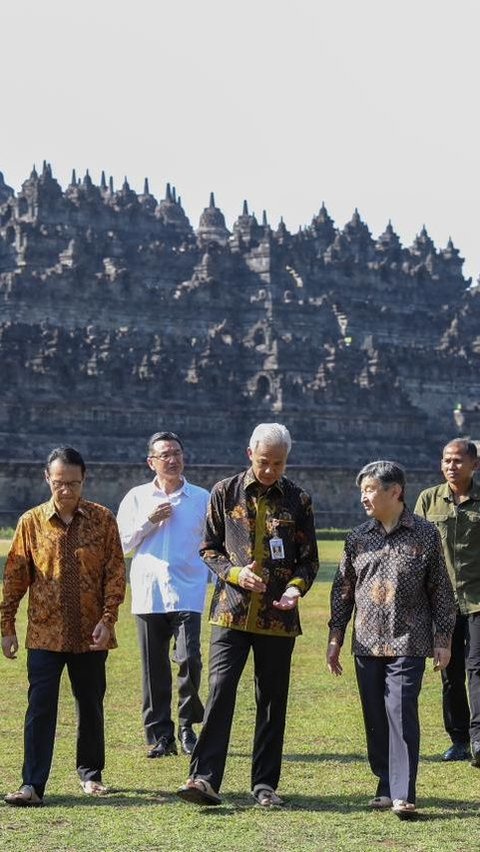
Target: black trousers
229, 651
87, 678
155, 632
389, 689
462, 722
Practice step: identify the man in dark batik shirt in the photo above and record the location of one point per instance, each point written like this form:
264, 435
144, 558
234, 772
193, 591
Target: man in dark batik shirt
393, 573
260, 542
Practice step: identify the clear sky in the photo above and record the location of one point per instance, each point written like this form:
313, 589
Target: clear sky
287, 103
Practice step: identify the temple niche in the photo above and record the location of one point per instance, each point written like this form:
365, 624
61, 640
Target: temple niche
119, 318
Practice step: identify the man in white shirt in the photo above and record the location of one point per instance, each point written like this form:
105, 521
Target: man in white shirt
162, 523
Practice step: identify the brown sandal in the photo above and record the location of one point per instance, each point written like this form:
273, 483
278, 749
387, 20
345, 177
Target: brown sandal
25, 797
94, 788
199, 791
266, 796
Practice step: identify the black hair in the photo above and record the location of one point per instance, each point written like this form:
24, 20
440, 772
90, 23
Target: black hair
468, 446
162, 436
67, 455
387, 472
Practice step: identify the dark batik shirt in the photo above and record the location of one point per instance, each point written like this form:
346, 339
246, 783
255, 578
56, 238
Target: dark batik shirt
242, 518
74, 574
399, 586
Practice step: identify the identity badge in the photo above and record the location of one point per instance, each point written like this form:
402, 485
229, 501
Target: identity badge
276, 548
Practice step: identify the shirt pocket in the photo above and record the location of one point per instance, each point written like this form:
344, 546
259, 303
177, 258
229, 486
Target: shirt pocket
442, 522
472, 516
468, 528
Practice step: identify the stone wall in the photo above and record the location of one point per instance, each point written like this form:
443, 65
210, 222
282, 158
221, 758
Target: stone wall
335, 497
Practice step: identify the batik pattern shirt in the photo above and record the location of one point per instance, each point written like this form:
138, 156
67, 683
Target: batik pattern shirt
242, 517
75, 576
399, 586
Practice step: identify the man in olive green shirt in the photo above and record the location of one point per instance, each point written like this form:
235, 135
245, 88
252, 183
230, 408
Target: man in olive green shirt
454, 507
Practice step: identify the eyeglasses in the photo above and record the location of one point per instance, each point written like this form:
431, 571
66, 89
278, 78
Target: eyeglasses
175, 454
57, 485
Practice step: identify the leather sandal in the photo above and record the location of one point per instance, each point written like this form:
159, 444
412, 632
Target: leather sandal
25, 797
199, 792
403, 809
380, 803
266, 797
93, 788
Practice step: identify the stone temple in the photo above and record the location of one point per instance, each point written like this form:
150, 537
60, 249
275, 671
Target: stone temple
119, 318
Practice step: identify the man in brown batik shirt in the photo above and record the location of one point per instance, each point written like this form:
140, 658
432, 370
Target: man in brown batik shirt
260, 542
67, 554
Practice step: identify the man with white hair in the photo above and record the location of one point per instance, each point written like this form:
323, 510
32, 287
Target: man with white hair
260, 542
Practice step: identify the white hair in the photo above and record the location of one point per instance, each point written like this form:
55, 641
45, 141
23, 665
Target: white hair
272, 434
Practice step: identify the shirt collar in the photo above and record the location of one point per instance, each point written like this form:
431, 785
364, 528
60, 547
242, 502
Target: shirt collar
51, 511
406, 519
251, 482
185, 487
473, 494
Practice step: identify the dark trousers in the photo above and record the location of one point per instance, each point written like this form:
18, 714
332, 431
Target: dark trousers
87, 678
456, 712
389, 689
155, 632
229, 651
461, 721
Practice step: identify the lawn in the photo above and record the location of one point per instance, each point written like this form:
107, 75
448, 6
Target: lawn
326, 780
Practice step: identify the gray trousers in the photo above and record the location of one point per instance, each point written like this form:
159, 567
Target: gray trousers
389, 689
155, 632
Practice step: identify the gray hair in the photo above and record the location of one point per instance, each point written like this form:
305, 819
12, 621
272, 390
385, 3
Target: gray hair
468, 446
272, 434
162, 436
387, 472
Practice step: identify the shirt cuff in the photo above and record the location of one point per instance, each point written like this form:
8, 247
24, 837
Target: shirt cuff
108, 619
299, 584
335, 636
442, 640
8, 628
233, 576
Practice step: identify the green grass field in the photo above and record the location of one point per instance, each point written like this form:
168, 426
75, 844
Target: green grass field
326, 780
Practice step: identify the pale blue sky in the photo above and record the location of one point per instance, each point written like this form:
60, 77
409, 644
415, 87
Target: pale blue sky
360, 103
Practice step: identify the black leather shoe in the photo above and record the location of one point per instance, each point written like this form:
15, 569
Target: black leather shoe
476, 753
163, 747
188, 739
457, 751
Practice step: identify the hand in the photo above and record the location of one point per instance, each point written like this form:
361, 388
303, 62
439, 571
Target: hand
441, 658
333, 661
101, 637
10, 647
160, 513
250, 581
288, 600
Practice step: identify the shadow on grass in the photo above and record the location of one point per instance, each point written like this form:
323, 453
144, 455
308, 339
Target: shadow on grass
337, 757
232, 803
446, 809
314, 757
117, 798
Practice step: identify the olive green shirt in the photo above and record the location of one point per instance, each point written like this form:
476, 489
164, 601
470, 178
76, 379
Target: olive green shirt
459, 528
